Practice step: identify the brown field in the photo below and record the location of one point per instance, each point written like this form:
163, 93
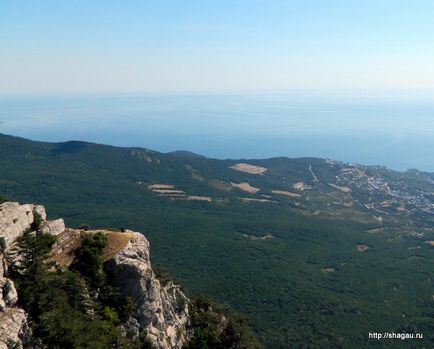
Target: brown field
168, 191
172, 195
257, 200
328, 270
298, 186
198, 198
246, 187
286, 193
375, 231
243, 167
255, 238
342, 189
161, 186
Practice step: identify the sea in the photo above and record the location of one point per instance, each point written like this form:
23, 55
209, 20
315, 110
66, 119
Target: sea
396, 133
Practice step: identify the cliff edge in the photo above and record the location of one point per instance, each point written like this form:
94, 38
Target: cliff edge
161, 311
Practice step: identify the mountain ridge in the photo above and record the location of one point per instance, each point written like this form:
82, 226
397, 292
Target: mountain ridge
180, 153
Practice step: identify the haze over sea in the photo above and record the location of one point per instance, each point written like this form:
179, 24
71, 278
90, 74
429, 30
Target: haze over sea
390, 132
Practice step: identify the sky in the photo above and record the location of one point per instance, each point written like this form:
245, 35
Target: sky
215, 46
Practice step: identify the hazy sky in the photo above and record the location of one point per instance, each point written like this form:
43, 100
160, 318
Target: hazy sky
68, 46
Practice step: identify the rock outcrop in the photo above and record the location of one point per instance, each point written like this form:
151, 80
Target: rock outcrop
14, 220
162, 311
55, 227
13, 328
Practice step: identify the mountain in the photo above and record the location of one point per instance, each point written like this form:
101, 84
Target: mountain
314, 251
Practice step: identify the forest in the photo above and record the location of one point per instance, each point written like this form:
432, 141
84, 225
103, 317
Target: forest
326, 276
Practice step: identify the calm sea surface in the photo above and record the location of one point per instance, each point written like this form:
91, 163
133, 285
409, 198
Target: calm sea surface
396, 134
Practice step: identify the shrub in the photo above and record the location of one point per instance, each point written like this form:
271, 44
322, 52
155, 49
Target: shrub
3, 199
88, 259
84, 226
37, 221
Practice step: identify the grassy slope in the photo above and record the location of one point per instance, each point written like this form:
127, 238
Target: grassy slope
277, 282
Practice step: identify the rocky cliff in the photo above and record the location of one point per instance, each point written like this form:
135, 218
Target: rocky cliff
161, 310
14, 220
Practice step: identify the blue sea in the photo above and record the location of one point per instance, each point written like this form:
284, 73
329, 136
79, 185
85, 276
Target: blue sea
394, 133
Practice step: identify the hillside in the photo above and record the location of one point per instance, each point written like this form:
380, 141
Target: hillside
315, 252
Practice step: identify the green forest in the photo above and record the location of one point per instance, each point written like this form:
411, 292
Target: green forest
327, 274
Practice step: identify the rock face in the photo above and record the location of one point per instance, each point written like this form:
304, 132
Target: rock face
162, 311
16, 218
13, 328
55, 227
